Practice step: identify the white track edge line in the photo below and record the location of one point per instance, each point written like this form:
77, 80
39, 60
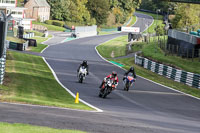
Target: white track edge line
55, 76
146, 78
150, 24
48, 40
44, 49
135, 21
44, 106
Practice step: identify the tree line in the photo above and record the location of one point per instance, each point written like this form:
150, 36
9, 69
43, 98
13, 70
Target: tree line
182, 16
90, 12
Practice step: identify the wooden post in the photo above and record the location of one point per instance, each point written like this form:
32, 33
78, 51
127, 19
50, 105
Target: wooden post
177, 49
187, 52
192, 54
199, 55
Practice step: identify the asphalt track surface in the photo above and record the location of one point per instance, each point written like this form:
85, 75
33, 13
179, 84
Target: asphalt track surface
146, 108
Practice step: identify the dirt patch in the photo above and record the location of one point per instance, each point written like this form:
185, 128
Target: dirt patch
112, 54
6, 80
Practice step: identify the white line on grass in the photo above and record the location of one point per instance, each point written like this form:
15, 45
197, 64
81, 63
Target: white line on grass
48, 40
44, 49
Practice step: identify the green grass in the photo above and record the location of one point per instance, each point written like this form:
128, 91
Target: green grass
118, 45
104, 33
37, 33
158, 20
148, 50
25, 128
15, 39
29, 80
50, 27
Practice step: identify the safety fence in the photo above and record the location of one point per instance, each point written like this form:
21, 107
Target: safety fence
177, 75
29, 35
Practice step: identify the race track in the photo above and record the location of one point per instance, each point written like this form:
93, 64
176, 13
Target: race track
146, 108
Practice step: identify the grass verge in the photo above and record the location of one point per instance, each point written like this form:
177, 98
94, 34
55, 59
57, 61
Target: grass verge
15, 39
106, 49
25, 128
29, 80
113, 48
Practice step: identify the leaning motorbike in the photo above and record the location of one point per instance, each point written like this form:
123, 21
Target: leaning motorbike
128, 82
82, 74
108, 87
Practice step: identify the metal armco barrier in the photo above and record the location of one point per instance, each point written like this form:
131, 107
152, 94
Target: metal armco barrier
2, 66
3, 19
191, 79
29, 35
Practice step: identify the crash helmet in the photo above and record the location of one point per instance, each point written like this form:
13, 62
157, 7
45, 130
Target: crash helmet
114, 74
132, 68
84, 62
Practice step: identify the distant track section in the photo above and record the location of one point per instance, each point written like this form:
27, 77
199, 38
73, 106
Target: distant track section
185, 1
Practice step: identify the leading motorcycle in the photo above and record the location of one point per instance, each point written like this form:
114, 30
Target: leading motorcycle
108, 87
82, 74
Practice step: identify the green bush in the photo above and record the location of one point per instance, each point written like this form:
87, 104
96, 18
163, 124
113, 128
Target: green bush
58, 23
55, 22
49, 22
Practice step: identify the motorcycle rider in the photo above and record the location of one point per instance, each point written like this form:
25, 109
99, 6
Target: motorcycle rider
85, 65
132, 71
113, 77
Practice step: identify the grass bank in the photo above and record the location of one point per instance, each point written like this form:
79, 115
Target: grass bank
152, 51
50, 27
29, 80
25, 128
148, 50
113, 48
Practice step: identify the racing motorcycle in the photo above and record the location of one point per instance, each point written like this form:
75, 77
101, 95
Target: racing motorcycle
82, 74
128, 82
108, 87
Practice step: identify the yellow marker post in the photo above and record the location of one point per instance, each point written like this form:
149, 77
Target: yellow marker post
77, 98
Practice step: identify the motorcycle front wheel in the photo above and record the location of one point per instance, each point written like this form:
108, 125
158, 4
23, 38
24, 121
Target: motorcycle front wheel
126, 87
80, 78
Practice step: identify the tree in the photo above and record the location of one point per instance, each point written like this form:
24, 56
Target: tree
123, 9
189, 19
82, 14
99, 9
59, 9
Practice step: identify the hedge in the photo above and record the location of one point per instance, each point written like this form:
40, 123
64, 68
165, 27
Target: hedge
55, 22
